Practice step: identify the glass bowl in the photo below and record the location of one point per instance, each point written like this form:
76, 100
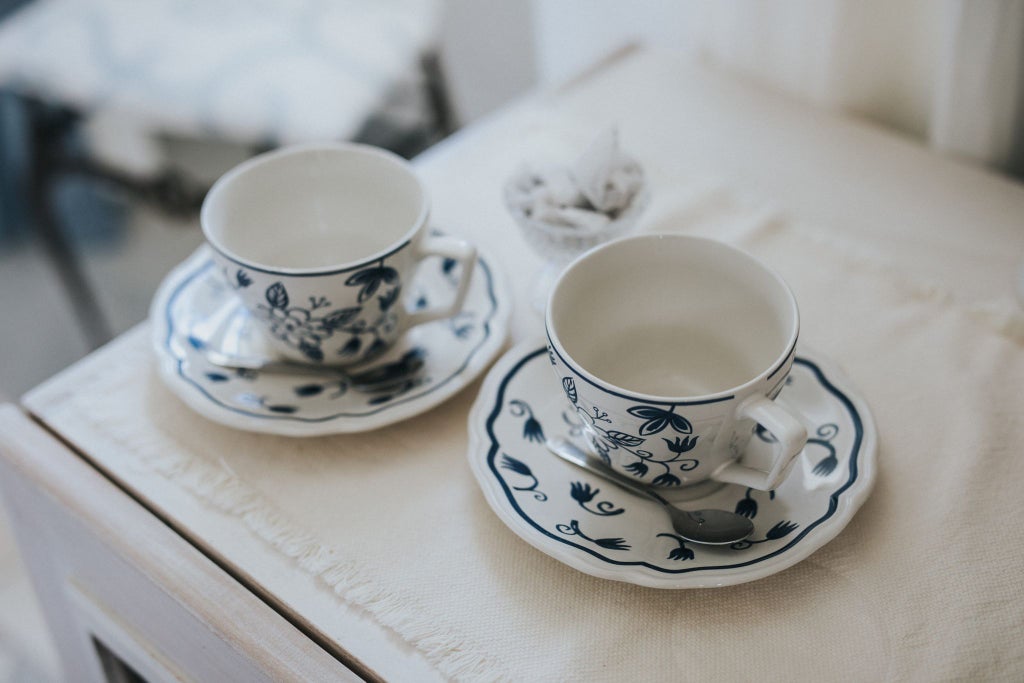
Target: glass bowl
559, 245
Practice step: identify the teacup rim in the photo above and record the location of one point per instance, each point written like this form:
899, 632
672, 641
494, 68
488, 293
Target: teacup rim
302, 148
742, 389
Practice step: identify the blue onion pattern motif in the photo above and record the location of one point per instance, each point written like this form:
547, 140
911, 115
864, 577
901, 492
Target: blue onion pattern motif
606, 441
583, 493
680, 446
573, 529
667, 479
680, 552
523, 470
532, 431
828, 464
639, 468
658, 419
623, 439
747, 506
780, 530
380, 385
308, 327
569, 387
294, 325
369, 280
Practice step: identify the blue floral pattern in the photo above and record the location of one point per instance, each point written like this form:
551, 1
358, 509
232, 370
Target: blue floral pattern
747, 506
352, 329
573, 529
523, 470
380, 385
656, 420
680, 552
583, 493
532, 431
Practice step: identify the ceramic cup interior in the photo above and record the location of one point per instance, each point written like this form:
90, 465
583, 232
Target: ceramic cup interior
672, 316
311, 207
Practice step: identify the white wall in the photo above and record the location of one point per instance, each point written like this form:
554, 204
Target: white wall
872, 57
572, 34
487, 54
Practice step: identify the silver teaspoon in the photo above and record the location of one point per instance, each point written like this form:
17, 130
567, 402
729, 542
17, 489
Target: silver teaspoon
709, 527
380, 378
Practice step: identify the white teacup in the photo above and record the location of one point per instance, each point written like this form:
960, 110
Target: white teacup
670, 349
319, 242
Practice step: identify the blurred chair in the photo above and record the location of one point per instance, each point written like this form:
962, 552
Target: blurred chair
130, 94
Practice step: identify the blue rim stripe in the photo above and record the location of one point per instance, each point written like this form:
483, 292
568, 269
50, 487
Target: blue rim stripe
312, 272
782, 364
833, 505
180, 361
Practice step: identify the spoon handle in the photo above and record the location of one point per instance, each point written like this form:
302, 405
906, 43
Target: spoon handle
568, 451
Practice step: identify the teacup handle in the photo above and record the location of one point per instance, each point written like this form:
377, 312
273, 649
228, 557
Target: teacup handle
448, 247
790, 439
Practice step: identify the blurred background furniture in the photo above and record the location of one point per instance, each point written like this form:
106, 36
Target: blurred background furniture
156, 99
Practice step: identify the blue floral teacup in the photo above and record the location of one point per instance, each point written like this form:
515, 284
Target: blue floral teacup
321, 242
670, 350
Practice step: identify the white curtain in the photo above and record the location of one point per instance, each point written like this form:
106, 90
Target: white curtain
948, 72
977, 107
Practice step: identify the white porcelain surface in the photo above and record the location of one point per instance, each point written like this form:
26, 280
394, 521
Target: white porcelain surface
591, 525
431, 362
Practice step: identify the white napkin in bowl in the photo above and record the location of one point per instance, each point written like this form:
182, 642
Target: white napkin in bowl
587, 195
605, 176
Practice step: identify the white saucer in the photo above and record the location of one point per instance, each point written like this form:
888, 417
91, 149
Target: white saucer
428, 365
597, 528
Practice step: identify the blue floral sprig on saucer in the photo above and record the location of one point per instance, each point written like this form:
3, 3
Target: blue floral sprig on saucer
532, 430
780, 530
522, 469
573, 529
583, 493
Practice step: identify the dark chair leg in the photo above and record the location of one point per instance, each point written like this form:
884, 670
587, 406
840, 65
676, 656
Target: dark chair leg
437, 91
47, 130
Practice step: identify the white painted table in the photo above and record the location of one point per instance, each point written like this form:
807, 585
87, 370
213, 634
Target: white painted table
701, 134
